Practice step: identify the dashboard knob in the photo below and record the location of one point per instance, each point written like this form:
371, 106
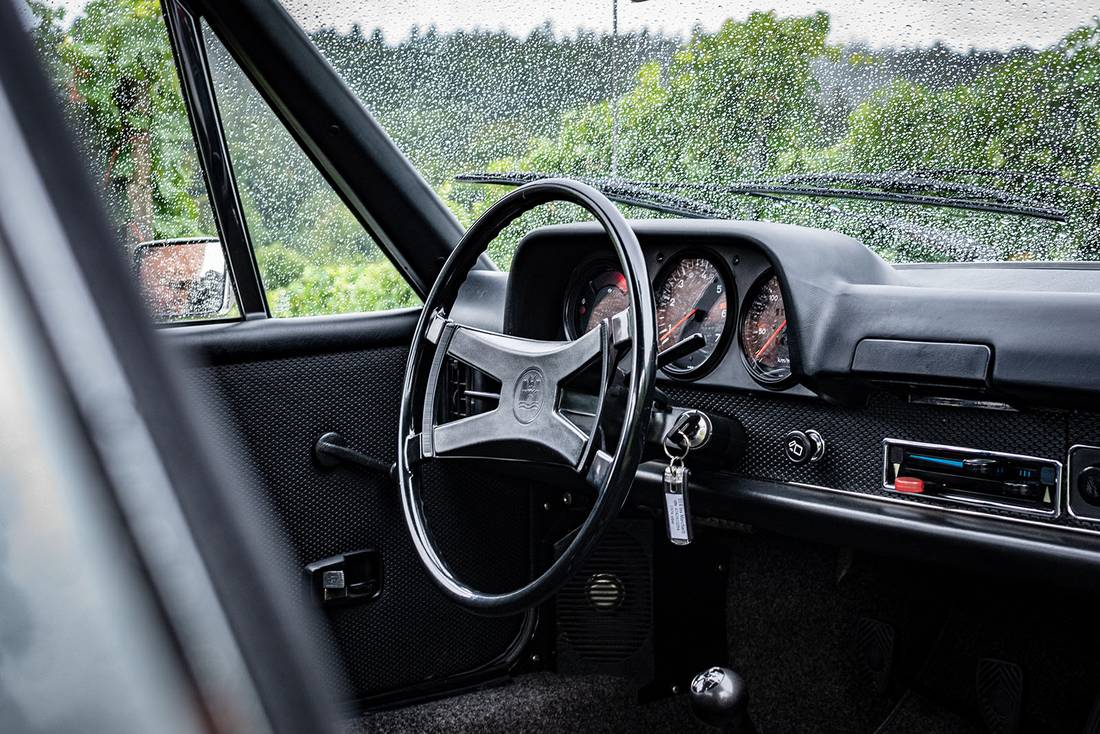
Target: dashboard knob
1088, 484
804, 447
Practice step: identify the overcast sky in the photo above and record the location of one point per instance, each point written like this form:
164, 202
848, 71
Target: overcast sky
982, 24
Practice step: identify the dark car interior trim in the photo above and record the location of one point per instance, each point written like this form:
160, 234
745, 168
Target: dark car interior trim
948, 536
225, 343
898, 359
1041, 342
267, 630
959, 538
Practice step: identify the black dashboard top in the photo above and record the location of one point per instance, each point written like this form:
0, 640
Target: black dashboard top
1038, 324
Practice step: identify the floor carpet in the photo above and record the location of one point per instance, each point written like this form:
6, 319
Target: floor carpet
540, 702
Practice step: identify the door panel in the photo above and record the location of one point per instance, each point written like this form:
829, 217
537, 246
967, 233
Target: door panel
275, 386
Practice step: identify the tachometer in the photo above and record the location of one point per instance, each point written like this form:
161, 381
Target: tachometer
764, 333
693, 298
598, 293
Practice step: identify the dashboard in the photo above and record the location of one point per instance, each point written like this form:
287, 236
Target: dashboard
976, 385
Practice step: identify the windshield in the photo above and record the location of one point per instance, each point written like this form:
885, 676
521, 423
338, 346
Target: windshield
943, 102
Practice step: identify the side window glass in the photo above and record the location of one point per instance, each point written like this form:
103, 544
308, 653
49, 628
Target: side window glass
112, 68
314, 255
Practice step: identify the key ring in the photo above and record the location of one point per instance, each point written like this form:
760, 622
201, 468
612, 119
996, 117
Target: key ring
673, 458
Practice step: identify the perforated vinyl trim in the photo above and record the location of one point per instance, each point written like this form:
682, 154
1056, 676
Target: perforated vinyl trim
272, 412
853, 457
1084, 428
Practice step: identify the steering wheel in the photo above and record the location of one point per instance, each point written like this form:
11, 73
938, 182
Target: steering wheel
527, 424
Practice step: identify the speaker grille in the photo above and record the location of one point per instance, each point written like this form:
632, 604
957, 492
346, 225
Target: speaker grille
605, 591
605, 612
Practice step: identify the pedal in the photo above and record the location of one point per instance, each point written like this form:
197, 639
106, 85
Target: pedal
875, 652
1000, 688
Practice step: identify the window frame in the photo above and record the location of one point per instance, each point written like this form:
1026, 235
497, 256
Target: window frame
197, 87
413, 228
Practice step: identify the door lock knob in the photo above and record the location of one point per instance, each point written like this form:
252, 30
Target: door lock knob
804, 447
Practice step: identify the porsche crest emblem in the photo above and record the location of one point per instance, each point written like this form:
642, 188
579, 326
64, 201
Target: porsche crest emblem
527, 400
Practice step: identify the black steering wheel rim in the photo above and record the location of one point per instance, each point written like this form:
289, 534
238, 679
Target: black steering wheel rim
614, 474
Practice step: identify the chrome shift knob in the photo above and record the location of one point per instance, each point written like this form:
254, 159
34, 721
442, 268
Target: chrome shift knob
719, 698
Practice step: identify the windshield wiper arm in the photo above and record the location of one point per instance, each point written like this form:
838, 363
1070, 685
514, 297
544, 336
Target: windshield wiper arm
883, 194
624, 192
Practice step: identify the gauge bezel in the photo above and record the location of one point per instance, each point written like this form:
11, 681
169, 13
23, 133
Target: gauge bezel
772, 383
582, 274
732, 310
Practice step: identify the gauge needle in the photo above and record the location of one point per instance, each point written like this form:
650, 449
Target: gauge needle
668, 332
771, 339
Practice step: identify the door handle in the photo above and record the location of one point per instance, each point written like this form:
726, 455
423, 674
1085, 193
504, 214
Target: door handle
332, 450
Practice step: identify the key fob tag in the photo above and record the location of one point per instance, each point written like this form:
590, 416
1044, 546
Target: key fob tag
677, 511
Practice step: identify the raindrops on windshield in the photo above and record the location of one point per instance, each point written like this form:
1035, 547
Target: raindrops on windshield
942, 131
933, 131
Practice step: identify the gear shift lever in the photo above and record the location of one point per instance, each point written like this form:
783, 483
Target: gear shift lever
719, 698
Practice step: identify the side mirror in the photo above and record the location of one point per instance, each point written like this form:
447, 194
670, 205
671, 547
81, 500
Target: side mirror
183, 278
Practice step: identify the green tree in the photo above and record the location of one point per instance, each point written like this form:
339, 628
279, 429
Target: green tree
1037, 113
117, 79
728, 105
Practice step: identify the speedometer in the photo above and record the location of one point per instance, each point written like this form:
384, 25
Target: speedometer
693, 297
764, 333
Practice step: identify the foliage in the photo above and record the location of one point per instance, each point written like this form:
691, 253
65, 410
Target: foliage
747, 103
728, 101
280, 265
115, 73
756, 99
342, 287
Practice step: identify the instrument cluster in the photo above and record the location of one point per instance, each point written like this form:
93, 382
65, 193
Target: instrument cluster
695, 294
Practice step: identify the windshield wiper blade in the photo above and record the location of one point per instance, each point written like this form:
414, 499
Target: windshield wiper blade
624, 192
914, 181
765, 189
956, 245
890, 187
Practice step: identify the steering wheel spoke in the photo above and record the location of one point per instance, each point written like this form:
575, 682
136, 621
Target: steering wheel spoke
502, 356
619, 325
599, 469
527, 423
554, 440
